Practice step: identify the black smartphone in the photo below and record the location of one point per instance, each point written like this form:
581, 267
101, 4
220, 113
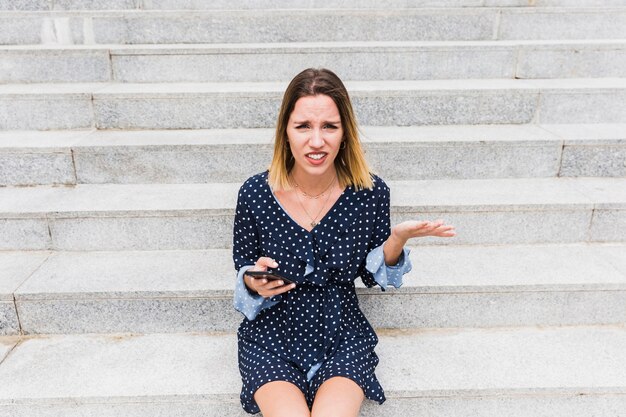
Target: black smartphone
270, 276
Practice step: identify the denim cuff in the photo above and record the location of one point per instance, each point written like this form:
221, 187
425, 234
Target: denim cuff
384, 274
250, 305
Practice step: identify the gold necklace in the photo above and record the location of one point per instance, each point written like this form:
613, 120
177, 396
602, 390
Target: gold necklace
304, 193
314, 221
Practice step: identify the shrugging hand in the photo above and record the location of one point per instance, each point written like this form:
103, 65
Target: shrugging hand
262, 286
410, 229
406, 230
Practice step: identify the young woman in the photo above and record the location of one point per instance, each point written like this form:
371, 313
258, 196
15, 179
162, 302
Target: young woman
319, 218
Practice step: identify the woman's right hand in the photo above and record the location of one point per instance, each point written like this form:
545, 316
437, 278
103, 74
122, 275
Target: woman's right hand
264, 287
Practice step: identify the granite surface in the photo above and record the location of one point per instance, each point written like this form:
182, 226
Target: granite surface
602, 106
531, 361
51, 65
583, 24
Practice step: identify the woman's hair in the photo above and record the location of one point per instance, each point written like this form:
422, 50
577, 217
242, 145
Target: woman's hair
350, 163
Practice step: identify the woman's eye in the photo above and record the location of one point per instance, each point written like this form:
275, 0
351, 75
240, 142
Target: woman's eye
302, 126
330, 127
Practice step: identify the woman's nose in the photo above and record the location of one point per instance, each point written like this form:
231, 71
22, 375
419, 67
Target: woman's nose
317, 139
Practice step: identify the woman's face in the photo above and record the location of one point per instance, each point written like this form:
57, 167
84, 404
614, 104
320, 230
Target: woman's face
315, 133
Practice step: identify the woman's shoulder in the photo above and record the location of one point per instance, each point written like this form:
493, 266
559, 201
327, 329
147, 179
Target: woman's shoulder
380, 186
254, 183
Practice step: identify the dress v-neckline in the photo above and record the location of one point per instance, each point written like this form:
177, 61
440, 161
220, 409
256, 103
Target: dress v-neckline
328, 213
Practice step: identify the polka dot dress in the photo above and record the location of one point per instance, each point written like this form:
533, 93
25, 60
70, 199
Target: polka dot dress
315, 331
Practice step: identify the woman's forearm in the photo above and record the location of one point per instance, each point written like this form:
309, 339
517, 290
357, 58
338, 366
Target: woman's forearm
393, 249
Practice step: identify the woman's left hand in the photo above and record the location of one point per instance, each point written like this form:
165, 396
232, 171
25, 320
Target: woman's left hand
412, 228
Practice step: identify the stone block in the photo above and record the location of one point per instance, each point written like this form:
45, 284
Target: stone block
25, 4
441, 108
139, 315
180, 231
43, 113
96, 4
139, 292
407, 161
608, 225
54, 65
24, 233
303, 4
9, 323
391, 62
171, 164
601, 106
20, 30
495, 309
594, 161
295, 26
185, 113
572, 61
17, 267
36, 168
385, 107
506, 227
562, 23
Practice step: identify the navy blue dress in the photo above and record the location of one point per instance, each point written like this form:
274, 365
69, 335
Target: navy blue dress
315, 331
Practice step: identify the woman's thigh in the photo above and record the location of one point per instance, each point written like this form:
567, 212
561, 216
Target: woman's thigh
338, 397
281, 399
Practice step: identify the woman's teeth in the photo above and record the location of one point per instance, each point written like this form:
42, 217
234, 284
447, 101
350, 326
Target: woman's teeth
316, 156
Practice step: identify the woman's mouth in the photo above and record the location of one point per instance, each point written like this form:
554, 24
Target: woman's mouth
316, 158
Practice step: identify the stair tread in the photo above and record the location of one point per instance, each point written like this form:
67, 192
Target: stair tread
470, 194
535, 361
93, 140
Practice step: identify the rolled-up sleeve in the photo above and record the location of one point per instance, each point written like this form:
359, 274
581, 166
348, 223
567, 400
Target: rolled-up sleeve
250, 305
374, 271
385, 274
245, 254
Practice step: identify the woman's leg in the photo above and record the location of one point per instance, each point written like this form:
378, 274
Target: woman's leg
338, 397
281, 399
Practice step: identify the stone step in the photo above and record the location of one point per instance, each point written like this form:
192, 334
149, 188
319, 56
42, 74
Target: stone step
396, 153
257, 62
287, 4
520, 372
192, 291
311, 25
252, 105
200, 216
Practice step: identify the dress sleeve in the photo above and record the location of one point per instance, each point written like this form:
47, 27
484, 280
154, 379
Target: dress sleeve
374, 270
245, 254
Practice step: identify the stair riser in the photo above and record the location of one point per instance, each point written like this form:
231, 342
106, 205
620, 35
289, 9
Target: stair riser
145, 111
282, 4
392, 161
8, 319
307, 26
396, 64
400, 310
186, 230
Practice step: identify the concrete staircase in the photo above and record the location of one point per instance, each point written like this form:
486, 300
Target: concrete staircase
126, 127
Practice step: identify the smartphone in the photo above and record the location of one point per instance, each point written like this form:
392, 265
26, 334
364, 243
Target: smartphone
270, 276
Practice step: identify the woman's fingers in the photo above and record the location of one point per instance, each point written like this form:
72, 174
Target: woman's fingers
274, 287
264, 262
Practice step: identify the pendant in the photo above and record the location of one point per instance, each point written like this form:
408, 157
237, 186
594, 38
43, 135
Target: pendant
313, 223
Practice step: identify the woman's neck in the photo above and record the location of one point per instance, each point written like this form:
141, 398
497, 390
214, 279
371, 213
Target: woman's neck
313, 184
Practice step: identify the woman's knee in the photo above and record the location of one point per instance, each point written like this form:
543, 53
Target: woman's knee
338, 397
281, 399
